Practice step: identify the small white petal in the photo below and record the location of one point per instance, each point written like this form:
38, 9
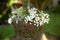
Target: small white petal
13, 16
26, 22
10, 20
17, 22
35, 24
30, 23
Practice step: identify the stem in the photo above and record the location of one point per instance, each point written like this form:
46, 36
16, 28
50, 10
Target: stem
28, 6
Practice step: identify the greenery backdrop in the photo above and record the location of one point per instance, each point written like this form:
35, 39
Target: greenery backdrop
52, 28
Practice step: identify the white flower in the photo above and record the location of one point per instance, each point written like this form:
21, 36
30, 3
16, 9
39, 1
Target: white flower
30, 23
41, 23
26, 22
35, 16
29, 18
37, 19
32, 11
32, 16
13, 16
13, 12
35, 24
10, 20
34, 21
17, 22
46, 15
46, 21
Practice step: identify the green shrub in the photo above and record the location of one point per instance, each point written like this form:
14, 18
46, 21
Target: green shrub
54, 24
55, 9
6, 31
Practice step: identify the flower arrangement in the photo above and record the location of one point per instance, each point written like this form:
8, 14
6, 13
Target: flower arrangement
30, 21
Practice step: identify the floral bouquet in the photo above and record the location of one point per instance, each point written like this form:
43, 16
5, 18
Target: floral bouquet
29, 22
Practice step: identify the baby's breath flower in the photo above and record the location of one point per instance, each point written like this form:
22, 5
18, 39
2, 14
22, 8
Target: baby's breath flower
30, 23
10, 20
35, 16
38, 18
35, 24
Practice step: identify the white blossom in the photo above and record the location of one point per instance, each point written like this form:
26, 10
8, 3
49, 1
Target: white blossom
13, 16
35, 16
30, 23
10, 20
38, 18
32, 10
41, 23
35, 24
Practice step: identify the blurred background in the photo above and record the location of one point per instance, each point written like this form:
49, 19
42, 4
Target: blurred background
52, 7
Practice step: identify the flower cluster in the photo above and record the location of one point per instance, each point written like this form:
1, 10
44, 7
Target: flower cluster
34, 16
37, 17
17, 15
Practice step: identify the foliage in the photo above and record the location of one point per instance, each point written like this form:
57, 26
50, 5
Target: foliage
54, 25
4, 1
55, 9
6, 31
4, 10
